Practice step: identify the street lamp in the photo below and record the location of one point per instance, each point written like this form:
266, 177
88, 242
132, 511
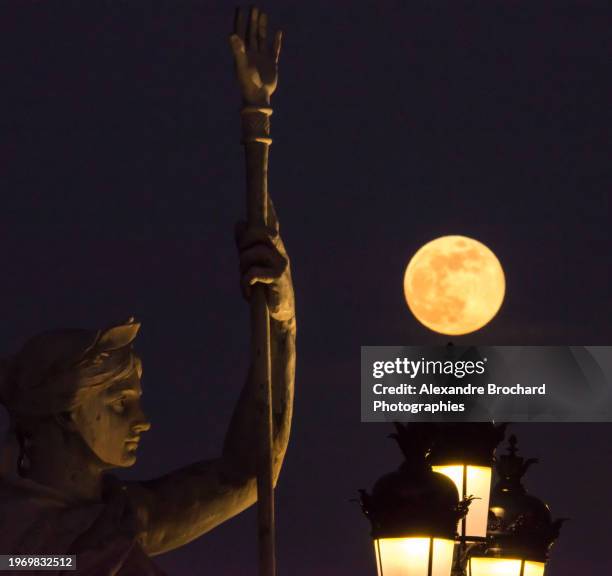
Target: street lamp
414, 513
415, 510
521, 529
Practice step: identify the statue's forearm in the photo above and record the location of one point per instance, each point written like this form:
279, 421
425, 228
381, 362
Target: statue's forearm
238, 460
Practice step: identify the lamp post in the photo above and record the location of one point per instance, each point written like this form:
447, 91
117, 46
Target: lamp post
414, 513
416, 510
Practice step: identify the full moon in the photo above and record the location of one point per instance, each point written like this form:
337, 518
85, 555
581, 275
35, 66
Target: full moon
454, 285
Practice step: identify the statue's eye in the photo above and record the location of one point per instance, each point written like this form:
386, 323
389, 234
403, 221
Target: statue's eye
118, 405
100, 357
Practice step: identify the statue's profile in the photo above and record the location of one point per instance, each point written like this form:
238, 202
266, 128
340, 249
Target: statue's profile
74, 403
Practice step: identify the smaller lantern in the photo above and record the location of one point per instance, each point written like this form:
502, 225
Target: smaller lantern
414, 512
482, 566
520, 526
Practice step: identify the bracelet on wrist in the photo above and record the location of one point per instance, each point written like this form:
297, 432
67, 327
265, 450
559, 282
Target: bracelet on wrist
256, 124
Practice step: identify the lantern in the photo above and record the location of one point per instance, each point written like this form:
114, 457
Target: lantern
414, 513
413, 556
520, 527
464, 452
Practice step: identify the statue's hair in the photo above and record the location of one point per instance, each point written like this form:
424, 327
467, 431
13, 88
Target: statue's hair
56, 372
97, 372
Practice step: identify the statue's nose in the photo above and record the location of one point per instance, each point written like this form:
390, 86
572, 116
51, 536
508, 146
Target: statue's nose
141, 422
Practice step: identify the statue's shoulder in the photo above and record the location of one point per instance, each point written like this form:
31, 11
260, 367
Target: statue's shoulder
35, 517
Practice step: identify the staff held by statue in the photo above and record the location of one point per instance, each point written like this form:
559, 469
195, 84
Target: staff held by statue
256, 60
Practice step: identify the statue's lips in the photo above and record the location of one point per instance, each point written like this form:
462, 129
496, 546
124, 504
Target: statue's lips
132, 443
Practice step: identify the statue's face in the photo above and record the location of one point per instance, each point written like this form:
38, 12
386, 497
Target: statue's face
111, 422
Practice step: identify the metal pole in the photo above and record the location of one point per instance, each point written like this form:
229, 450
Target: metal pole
256, 130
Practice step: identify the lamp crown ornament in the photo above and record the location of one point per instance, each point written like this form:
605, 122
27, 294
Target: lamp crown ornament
415, 440
414, 499
519, 524
511, 468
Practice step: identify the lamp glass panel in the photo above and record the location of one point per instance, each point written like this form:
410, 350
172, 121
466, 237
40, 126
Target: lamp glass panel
494, 567
478, 484
534, 569
403, 556
442, 557
378, 570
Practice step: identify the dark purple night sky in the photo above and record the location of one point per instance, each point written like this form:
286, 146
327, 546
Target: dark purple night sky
395, 122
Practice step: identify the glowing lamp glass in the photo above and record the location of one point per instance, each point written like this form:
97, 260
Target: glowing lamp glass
504, 567
471, 481
414, 556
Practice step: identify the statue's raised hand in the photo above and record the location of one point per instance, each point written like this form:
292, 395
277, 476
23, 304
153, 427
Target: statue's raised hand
256, 60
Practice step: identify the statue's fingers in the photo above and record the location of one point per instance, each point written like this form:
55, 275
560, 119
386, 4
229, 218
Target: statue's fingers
257, 235
239, 51
259, 275
263, 32
252, 277
239, 24
278, 40
251, 34
262, 256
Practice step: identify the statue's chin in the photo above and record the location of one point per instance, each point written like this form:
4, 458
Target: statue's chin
129, 458
124, 460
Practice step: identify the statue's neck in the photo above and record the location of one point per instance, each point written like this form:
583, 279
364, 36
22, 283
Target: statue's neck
73, 470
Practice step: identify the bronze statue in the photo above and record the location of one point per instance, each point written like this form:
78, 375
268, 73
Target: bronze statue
73, 397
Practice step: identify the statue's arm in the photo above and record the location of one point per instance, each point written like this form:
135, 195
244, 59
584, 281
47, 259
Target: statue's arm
182, 505
176, 508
